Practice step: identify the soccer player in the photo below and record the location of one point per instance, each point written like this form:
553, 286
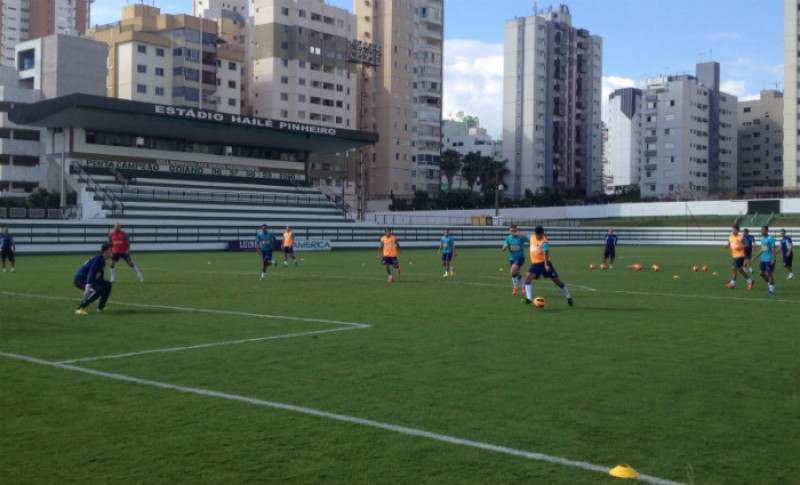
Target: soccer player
287, 245
788, 254
264, 240
447, 246
89, 279
767, 259
515, 243
388, 251
542, 266
748, 241
610, 250
736, 246
121, 250
7, 249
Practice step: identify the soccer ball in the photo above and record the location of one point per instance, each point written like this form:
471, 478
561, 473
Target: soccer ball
538, 302
704, 268
602, 266
695, 268
656, 267
592, 266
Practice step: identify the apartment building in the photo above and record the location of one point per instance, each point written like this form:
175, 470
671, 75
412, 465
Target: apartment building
170, 59
791, 110
402, 96
760, 146
679, 132
551, 103
22, 20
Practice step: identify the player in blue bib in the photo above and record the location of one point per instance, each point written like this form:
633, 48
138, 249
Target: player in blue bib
515, 244
766, 264
447, 246
787, 250
264, 241
610, 248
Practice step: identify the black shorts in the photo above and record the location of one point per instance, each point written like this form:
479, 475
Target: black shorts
7, 254
610, 253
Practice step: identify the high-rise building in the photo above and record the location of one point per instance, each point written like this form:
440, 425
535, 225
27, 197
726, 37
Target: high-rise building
551, 103
403, 95
464, 135
234, 29
170, 59
624, 139
300, 63
22, 20
791, 113
761, 144
678, 132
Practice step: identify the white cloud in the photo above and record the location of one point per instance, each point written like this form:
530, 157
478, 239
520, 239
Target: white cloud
473, 82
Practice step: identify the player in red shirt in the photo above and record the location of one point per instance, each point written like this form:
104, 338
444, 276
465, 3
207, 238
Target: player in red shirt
121, 246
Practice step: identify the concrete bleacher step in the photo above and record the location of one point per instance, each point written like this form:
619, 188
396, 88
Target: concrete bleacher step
231, 208
217, 216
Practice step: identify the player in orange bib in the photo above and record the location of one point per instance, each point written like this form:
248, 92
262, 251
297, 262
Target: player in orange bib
287, 245
388, 251
736, 245
542, 266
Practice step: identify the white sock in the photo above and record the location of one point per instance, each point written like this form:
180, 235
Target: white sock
113, 272
529, 291
565, 290
138, 273
514, 281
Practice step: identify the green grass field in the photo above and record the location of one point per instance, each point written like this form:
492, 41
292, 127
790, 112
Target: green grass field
326, 374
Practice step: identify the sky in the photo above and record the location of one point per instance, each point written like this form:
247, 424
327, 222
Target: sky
641, 39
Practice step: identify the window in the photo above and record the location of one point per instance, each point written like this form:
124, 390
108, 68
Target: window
231, 102
141, 89
284, 80
160, 52
159, 91
285, 11
141, 49
141, 68
160, 71
231, 66
284, 96
232, 84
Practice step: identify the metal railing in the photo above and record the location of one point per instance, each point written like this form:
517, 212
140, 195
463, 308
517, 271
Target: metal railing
72, 212
110, 201
337, 201
195, 195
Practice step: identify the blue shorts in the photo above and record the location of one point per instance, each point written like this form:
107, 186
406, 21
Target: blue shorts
389, 260
766, 266
123, 256
748, 253
447, 257
537, 270
738, 262
266, 254
7, 255
288, 250
519, 262
787, 261
610, 253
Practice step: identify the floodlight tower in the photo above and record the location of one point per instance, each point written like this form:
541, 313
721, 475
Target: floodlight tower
366, 56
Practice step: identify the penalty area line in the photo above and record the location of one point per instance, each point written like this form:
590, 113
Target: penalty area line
204, 346
200, 310
340, 417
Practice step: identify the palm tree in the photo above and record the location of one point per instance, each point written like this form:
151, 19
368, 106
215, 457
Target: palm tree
471, 170
450, 165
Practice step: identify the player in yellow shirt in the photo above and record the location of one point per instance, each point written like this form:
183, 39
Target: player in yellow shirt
542, 266
736, 245
287, 245
388, 251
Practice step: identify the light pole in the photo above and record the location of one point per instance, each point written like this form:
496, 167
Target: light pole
364, 55
497, 188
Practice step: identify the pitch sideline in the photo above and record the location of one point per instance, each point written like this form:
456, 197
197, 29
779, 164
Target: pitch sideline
340, 417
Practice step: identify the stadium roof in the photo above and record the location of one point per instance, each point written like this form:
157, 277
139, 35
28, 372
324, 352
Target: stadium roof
192, 124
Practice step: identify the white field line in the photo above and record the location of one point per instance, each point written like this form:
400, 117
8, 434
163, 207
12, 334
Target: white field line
200, 310
206, 345
341, 417
700, 297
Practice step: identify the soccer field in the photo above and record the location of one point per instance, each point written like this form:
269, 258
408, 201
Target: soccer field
326, 374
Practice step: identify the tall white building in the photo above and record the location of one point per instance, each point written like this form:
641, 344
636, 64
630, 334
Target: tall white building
464, 136
760, 147
791, 113
551, 103
300, 63
680, 134
22, 20
624, 139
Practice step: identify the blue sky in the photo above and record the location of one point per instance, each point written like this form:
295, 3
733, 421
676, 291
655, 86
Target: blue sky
641, 39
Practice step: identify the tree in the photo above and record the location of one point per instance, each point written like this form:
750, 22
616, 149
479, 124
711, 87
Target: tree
450, 165
471, 170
